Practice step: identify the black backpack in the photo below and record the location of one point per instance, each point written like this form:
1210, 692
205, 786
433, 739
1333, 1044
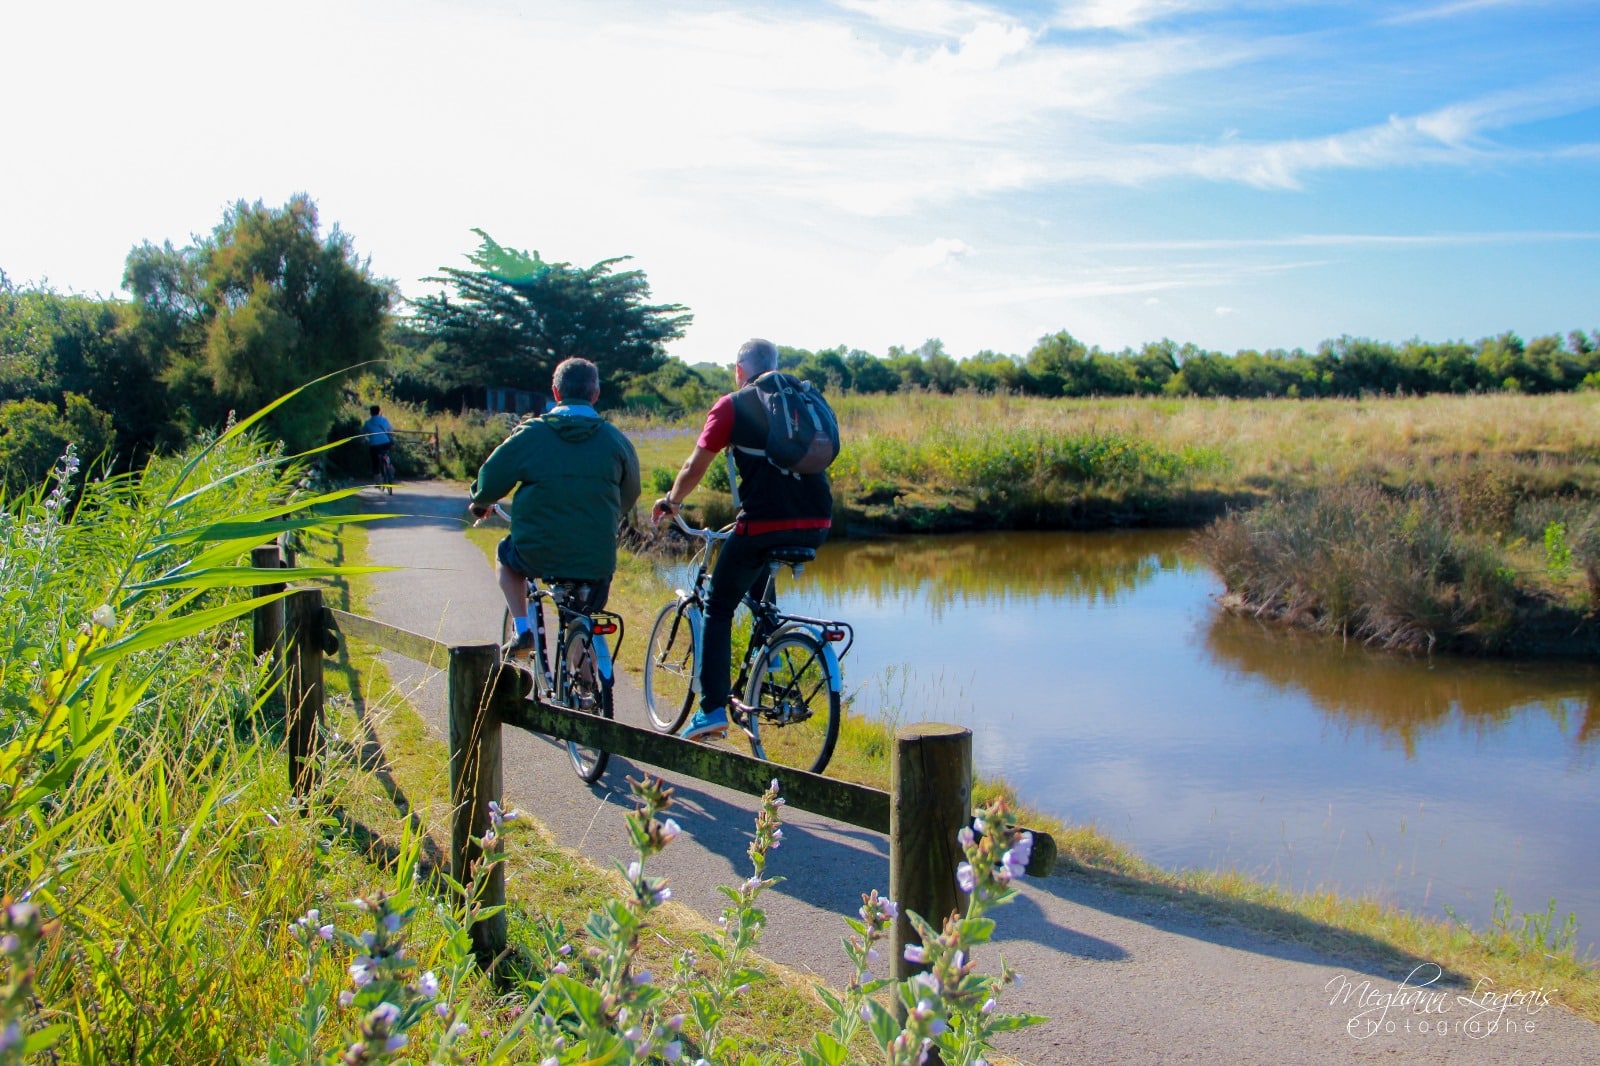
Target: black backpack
802, 432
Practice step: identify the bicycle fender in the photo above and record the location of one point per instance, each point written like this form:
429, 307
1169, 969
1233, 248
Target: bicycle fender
697, 625
602, 657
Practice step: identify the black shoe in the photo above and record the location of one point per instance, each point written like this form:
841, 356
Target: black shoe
519, 647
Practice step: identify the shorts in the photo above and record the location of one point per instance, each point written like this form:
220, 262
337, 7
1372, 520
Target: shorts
599, 589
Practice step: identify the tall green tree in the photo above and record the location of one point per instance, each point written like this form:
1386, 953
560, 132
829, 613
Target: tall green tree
510, 319
258, 308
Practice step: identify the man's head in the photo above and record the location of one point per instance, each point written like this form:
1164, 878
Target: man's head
756, 357
576, 381
374, 409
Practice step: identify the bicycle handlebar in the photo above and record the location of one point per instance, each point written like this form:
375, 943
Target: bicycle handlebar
710, 534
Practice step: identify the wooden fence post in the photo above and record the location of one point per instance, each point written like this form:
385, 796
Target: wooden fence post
266, 637
304, 625
930, 786
474, 781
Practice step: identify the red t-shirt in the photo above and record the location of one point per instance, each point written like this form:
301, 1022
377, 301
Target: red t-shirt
716, 435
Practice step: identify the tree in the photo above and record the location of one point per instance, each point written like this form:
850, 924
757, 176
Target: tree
33, 435
260, 307
512, 318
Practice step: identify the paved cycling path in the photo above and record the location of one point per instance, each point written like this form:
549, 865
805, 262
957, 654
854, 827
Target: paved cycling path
1123, 979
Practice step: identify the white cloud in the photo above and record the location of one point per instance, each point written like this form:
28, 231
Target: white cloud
942, 253
1224, 312
1123, 14
1452, 9
942, 18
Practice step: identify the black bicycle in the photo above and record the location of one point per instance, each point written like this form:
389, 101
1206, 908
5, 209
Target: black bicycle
789, 688
386, 473
574, 671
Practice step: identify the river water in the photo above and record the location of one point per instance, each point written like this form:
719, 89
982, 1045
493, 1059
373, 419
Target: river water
1101, 679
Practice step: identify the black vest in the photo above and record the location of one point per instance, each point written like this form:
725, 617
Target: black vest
765, 492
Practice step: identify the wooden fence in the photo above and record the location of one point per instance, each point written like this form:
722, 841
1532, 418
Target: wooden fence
929, 801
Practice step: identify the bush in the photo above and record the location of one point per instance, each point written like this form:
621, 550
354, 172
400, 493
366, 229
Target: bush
1395, 569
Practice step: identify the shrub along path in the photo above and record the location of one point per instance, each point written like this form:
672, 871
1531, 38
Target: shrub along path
1123, 978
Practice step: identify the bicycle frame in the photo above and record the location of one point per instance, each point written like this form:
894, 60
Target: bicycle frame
768, 622
600, 624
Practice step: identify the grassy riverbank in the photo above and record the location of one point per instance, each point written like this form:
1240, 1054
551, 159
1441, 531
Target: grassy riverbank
923, 462
1469, 523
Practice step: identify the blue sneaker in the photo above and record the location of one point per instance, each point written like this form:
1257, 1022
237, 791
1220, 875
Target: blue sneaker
707, 725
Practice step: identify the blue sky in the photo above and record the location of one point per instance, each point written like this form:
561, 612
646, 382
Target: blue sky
869, 172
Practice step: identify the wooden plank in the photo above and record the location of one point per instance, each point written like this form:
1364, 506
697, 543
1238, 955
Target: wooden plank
842, 801
423, 649
303, 692
475, 779
931, 781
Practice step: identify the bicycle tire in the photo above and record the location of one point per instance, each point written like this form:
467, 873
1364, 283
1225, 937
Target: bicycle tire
671, 663
587, 690
788, 723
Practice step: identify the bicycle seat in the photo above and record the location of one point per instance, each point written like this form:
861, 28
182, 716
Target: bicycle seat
792, 556
566, 588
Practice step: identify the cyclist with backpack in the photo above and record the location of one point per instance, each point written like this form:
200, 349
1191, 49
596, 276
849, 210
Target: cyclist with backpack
782, 436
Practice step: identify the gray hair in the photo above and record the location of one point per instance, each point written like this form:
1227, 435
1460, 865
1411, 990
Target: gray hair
576, 379
758, 356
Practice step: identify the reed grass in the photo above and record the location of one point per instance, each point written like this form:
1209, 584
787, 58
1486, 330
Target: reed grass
922, 461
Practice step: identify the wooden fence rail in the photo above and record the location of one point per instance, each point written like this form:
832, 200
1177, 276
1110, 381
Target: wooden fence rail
929, 800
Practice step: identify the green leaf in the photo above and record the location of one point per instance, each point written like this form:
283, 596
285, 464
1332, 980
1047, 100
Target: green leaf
881, 1022
829, 1051
218, 577
158, 633
1000, 1023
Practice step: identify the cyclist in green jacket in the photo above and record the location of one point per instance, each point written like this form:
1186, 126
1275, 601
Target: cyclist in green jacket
575, 476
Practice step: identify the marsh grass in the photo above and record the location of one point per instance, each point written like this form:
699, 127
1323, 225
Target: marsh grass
1417, 568
922, 461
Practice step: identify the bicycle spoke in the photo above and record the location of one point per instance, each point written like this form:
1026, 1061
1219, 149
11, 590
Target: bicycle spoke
585, 688
794, 707
671, 660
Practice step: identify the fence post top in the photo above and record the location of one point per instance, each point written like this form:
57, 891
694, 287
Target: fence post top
930, 729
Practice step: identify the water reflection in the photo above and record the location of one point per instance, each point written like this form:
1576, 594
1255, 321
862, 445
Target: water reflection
1100, 679
1406, 699
997, 568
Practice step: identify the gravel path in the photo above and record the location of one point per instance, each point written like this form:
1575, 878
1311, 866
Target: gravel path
1122, 978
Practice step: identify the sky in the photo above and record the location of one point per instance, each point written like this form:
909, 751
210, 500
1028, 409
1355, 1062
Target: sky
1239, 174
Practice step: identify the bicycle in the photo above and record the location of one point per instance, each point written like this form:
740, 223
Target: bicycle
788, 672
576, 673
386, 473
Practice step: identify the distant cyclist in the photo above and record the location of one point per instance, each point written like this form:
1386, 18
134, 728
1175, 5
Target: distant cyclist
777, 509
380, 438
575, 477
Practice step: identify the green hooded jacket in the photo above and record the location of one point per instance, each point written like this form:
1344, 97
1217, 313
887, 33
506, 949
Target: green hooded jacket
575, 476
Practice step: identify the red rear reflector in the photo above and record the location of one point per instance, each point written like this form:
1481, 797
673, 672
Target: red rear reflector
602, 629
833, 634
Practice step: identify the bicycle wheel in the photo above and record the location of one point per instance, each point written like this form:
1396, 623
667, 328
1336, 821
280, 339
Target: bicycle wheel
388, 475
586, 686
794, 719
671, 663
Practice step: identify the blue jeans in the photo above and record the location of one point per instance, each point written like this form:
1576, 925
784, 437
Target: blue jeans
741, 568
